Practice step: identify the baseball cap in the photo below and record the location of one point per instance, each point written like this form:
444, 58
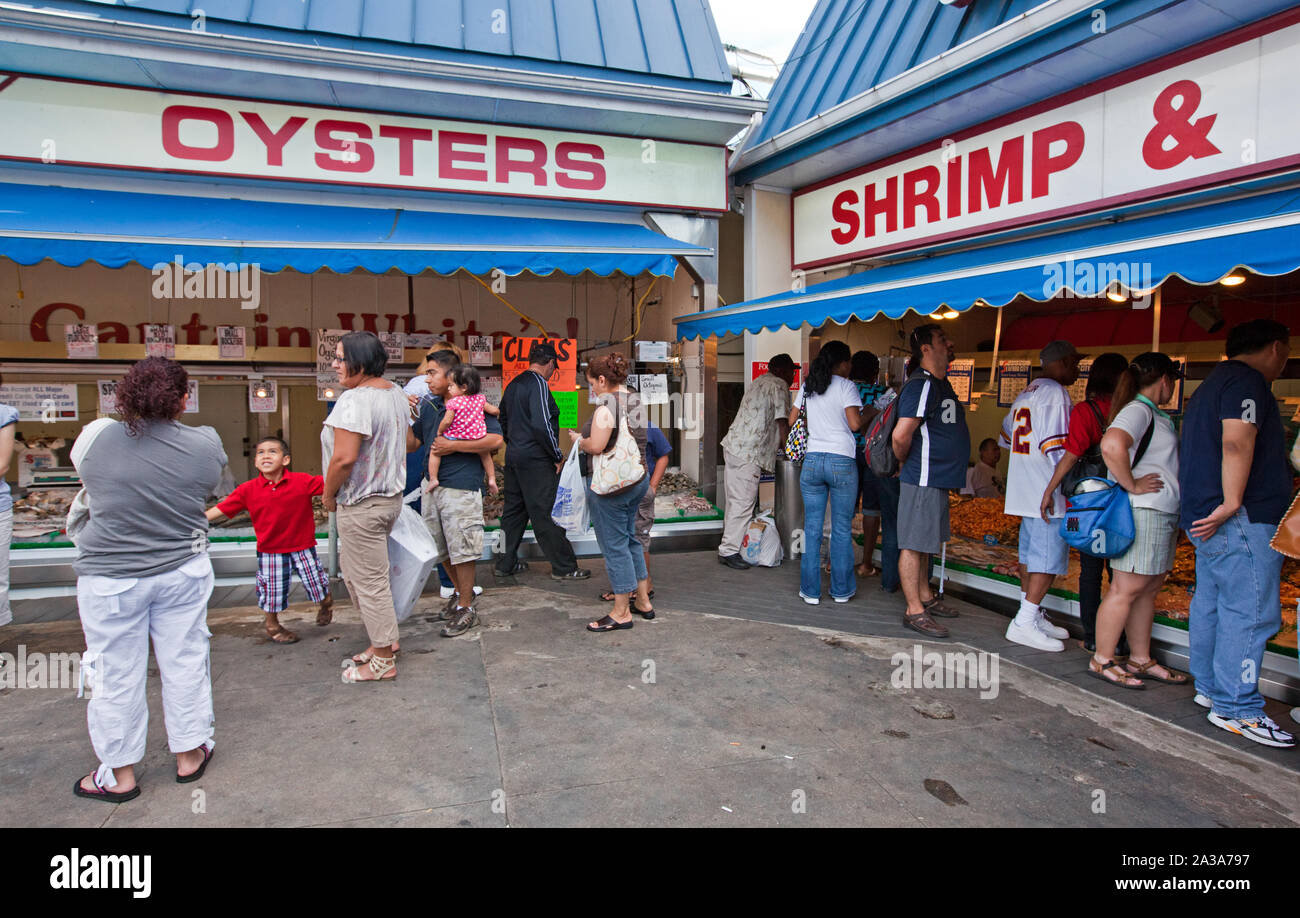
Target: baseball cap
1057, 350
541, 352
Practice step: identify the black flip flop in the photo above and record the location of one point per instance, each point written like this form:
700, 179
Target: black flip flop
647, 615
609, 624
198, 772
100, 793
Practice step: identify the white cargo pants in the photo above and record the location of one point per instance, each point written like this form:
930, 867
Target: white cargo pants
119, 616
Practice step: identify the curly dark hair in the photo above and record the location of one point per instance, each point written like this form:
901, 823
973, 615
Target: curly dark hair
611, 366
152, 390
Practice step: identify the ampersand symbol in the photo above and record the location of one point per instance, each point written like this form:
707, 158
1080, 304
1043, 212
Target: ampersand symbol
1191, 138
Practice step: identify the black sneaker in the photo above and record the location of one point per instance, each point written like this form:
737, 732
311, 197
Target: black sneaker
578, 573
465, 619
735, 562
519, 568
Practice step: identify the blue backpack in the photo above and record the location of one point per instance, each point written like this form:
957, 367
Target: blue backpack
1100, 523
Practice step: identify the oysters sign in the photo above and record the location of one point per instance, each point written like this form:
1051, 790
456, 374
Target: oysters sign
88, 124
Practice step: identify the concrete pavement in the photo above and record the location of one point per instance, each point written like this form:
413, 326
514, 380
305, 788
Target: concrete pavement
692, 719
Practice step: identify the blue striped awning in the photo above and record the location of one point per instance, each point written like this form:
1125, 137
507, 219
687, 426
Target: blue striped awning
113, 228
1200, 244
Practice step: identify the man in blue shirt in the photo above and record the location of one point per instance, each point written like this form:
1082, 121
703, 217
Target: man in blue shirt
453, 511
932, 444
1235, 488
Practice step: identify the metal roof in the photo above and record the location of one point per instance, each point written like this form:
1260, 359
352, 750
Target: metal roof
653, 40
849, 46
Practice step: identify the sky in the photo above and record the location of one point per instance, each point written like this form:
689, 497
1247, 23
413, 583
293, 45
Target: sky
767, 26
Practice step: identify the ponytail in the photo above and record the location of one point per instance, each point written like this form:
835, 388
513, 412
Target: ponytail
832, 354
1145, 370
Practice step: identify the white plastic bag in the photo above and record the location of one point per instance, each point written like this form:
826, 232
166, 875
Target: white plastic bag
762, 543
410, 558
570, 509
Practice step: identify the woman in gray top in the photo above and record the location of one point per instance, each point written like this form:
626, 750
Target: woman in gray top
143, 571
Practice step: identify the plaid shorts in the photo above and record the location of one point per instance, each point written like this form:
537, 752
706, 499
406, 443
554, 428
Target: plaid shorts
275, 572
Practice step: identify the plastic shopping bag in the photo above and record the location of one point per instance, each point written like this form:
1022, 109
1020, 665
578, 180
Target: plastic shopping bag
570, 509
762, 543
410, 558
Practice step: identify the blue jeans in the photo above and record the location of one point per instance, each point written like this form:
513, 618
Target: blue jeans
828, 477
1235, 610
889, 488
614, 519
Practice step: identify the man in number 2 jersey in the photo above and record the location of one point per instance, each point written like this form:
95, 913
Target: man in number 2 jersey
1033, 433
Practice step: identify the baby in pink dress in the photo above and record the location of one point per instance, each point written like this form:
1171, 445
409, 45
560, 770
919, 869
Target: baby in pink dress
463, 420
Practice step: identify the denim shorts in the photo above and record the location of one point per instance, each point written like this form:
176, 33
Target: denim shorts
1042, 550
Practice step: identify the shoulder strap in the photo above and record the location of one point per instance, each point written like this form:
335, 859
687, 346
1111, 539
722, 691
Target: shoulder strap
1101, 421
1145, 442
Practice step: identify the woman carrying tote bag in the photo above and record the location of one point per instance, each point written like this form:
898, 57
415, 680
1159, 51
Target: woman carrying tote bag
1152, 484
618, 482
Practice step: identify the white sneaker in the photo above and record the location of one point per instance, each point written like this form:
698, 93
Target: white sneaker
1262, 730
810, 600
1203, 700
446, 592
1052, 631
1031, 636
845, 598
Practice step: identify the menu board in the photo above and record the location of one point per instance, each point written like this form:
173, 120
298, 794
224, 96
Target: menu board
1013, 378
1079, 391
961, 374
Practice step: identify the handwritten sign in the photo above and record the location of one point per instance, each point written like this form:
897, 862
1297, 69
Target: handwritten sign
394, 345
653, 388
44, 402
514, 360
160, 341
263, 395
492, 389
82, 341
232, 342
327, 340
480, 350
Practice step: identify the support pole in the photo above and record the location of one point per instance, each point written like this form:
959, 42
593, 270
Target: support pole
334, 548
1155, 322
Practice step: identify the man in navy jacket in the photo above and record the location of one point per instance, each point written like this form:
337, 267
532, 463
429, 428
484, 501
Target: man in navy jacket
531, 421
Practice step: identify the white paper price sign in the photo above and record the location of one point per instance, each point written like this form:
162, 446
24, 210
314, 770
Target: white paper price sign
652, 351
263, 395
82, 341
653, 388
192, 406
394, 344
480, 350
160, 341
232, 342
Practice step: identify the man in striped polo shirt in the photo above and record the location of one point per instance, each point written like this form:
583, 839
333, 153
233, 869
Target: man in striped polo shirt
932, 444
1034, 434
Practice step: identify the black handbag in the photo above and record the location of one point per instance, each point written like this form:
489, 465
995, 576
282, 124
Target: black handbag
1090, 464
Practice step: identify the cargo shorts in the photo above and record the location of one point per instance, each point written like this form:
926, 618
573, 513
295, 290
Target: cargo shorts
455, 520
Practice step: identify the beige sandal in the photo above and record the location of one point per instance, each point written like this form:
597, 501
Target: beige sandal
382, 669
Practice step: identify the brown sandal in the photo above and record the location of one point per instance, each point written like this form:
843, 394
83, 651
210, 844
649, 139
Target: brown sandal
940, 608
326, 613
1143, 671
282, 635
863, 571
924, 624
1099, 670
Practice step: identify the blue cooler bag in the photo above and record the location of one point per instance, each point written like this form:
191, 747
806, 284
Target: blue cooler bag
1099, 523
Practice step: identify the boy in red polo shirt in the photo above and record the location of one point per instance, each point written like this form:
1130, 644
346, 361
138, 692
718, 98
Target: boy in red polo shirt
279, 503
